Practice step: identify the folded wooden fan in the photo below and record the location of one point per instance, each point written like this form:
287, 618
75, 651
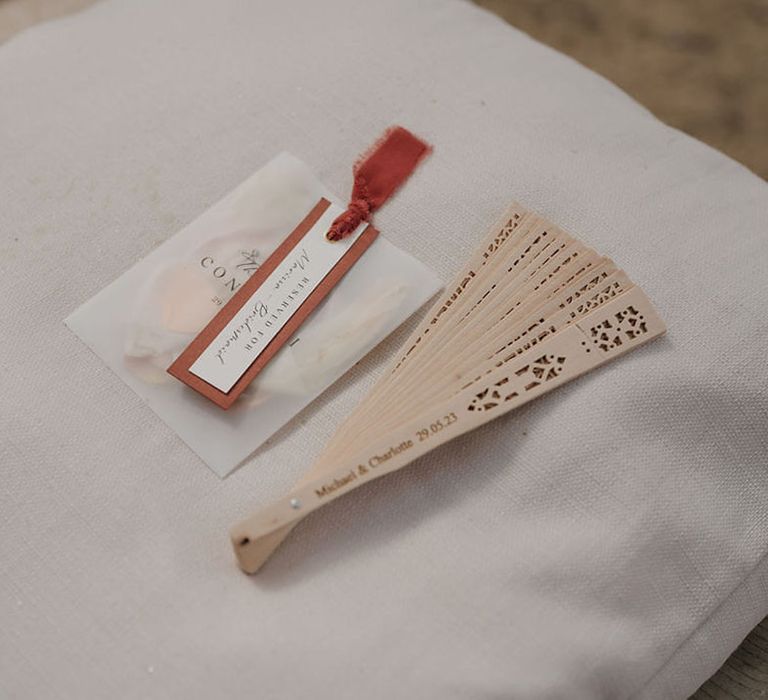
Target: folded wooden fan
533, 309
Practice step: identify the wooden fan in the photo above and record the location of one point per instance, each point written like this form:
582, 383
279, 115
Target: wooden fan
533, 309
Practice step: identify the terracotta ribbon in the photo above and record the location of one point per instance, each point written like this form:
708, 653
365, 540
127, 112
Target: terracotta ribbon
378, 173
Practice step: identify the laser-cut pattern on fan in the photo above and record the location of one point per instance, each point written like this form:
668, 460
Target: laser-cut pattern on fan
590, 284
544, 369
528, 377
488, 398
506, 231
598, 299
503, 235
612, 333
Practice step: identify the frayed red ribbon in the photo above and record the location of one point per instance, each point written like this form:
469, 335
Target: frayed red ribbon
378, 173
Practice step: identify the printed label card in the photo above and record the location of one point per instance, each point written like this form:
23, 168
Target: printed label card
232, 326
270, 307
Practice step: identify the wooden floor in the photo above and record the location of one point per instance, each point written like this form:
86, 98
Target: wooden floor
699, 65
745, 673
16, 15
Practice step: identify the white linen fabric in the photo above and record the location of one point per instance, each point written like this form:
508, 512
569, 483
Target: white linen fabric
607, 541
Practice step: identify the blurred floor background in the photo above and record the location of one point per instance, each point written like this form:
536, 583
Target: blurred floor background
699, 65
16, 15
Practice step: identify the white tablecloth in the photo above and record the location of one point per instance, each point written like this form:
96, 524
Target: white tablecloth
608, 541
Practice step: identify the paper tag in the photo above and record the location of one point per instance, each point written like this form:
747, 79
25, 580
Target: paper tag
147, 317
244, 336
273, 303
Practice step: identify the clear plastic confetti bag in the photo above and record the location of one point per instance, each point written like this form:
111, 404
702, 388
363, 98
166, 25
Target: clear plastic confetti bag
141, 322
